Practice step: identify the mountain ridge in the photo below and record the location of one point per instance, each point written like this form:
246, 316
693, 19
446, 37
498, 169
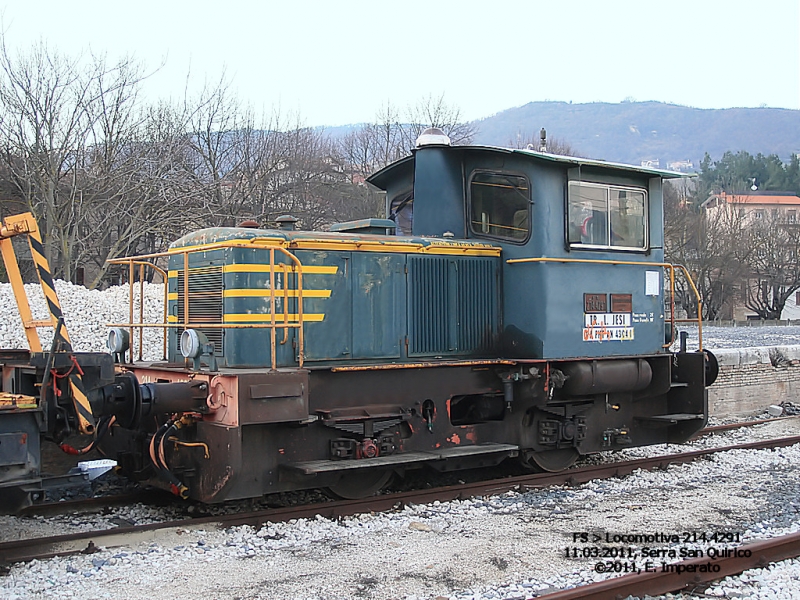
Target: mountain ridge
633, 132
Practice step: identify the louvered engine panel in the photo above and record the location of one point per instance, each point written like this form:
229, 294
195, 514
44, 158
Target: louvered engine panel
452, 305
429, 318
205, 303
477, 304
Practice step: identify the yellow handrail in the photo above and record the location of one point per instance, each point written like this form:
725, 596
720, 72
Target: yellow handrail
669, 266
296, 267
131, 325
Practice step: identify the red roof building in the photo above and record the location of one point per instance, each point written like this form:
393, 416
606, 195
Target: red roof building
782, 207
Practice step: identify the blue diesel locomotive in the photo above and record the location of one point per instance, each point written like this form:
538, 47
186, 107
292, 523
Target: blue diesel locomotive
514, 305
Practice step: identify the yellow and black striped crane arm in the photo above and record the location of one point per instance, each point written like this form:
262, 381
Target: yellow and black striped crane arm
25, 224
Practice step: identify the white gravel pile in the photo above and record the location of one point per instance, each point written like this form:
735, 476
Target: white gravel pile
86, 314
508, 546
740, 337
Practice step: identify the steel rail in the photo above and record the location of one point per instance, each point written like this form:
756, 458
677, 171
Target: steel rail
83, 542
740, 425
150, 496
762, 553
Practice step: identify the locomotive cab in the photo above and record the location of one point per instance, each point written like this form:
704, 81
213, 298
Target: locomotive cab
572, 231
585, 290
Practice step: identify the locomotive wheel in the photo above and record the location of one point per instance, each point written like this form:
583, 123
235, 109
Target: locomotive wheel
360, 483
550, 461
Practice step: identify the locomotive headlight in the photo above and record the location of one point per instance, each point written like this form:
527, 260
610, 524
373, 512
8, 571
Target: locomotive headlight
193, 343
118, 340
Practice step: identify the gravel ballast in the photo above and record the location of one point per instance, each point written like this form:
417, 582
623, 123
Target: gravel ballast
507, 546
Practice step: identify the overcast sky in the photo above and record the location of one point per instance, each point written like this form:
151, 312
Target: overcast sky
338, 62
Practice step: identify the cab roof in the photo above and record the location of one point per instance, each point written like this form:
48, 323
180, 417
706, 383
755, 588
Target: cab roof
380, 178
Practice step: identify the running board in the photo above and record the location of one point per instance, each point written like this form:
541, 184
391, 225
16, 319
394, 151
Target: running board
314, 467
673, 419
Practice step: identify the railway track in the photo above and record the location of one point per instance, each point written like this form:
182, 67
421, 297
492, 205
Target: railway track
98, 503
87, 542
739, 425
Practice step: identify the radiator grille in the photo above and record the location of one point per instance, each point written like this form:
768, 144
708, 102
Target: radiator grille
429, 327
205, 303
452, 305
477, 304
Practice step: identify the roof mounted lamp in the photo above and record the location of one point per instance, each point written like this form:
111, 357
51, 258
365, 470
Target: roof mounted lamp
433, 136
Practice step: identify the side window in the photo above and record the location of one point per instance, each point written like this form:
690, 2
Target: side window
606, 216
500, 206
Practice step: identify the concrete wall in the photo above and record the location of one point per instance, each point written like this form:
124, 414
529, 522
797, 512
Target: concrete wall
750, 379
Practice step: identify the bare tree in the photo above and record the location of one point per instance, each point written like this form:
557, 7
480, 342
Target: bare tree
710, 245
157, 195
104, 174
107, 177
774, 266
50, 108
302, 181
264, 170
394, 134
218, 132
375, 145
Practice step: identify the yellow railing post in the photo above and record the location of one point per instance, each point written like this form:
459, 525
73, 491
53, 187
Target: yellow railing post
131, 339
272, 307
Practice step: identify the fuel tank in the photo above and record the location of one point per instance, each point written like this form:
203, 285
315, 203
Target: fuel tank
586, 378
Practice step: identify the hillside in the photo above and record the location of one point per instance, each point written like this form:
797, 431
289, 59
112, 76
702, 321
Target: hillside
633, 132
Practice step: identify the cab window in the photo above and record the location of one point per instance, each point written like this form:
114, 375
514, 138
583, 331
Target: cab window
500, 206
401, 211
606, 216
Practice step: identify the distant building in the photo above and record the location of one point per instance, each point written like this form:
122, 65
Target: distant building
780, 208
791, 312
652, 164
680, 165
